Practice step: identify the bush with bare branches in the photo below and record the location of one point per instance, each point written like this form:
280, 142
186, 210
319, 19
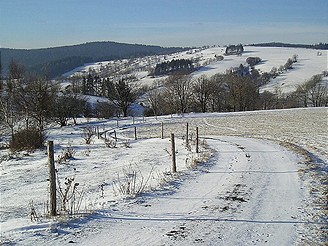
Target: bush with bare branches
88, 134
131, 181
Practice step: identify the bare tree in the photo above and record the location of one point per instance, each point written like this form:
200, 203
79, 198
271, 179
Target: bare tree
155, 97
76, 83
243, 92
179, 90
36, 98
8, 104
202, 90
219, 96
8, 112
68, 106
105, 110
267, 100
16, 70
313, 91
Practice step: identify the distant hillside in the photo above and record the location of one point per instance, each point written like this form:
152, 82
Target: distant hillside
320, 46
53, 62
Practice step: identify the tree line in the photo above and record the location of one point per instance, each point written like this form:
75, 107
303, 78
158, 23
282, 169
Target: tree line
29, 104
180, 93
53, 62
320, 46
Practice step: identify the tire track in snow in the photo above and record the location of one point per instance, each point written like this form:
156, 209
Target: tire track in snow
195, 212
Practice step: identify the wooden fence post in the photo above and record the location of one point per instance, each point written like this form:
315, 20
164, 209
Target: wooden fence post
197, 140
162, 130
98, 134
52, 179
187, 133
115, 136
135, 133
174, 164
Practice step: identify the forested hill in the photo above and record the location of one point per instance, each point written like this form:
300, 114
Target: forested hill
53, 62
320, 46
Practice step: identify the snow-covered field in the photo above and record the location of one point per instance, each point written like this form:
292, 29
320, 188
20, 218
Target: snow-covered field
260, 178
309, 64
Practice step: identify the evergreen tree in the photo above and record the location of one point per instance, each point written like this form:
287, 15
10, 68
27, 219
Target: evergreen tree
122, 94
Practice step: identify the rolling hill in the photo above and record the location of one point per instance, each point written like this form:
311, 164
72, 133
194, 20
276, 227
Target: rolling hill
53, 62
310, 62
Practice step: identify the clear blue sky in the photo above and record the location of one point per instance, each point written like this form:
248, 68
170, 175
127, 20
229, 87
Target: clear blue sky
48, 23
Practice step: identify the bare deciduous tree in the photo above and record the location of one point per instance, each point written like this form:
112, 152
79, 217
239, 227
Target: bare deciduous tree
8, 103
67, 106
155, 98
36, 98
16, 70
313, 91
202, 90
219, 96
243, 92
317, 91
179, 90
9, 117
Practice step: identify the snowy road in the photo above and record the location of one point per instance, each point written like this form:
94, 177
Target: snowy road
249, 194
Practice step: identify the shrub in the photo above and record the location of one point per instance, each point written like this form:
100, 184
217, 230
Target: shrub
219, 57
131, 182
252, 61
67, 154
70, 197
88, 134
105, 110
289, 64
126, 144
110, 143
27, 139
148, 112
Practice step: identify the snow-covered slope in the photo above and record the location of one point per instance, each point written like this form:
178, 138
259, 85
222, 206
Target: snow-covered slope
249, 191
310, 62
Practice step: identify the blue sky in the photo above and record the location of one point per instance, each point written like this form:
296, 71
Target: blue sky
49, 23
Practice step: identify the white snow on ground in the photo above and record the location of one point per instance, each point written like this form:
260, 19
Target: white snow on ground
309, 64
250, 191
238, 201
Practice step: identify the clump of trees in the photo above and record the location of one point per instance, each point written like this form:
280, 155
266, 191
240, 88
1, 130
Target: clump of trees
234, 50
173, 66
